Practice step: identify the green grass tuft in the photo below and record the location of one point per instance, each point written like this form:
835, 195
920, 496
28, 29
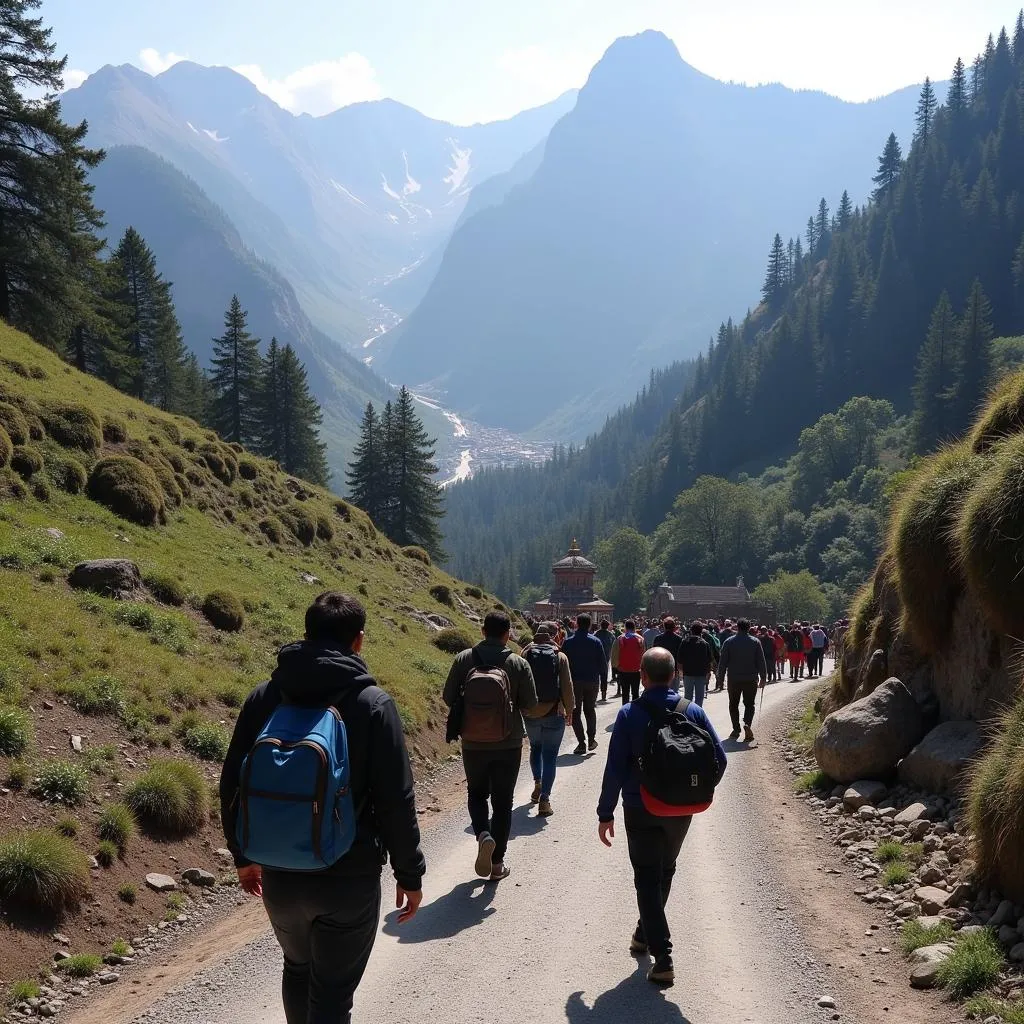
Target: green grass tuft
167, 589
896, 872
127, 893
810, 781
974, 964
169, 798
120, 947
914, 936
15, 731
80, 965
207, 741
116, 824
22, 990
983, 1007
417, 554
61, 782
890, 851
42, 871
224, 611
93, 695
452, 641
68, 826
106, 853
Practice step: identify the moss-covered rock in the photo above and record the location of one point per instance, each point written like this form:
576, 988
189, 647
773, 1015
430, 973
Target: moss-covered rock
13, 421
416, 553
26, 460
68, 474
301, 522
1002, 416
6, 448
224, 610
73, 426
128, 488
115, 429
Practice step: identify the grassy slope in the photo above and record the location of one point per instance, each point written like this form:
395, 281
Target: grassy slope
56, 641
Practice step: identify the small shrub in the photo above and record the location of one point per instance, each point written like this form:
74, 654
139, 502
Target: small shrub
120, 947
41, 490
12, 486
13, 422
22, 990
15, 731
301, 523
272, 529
810, 781
61, 782
362, 588
417, 554
474, 592
442, 593
94, 695
170, 797
343, 511
42, 871
129, 488
116, 824
896, 872
115, 429
127, 893
232, 695
451, 641
914, 935
890, 851
986, 1007
324, 527
106, 853
207, 741
167, 589
81, 965
26, 460
137, 616
68, 827
19, 774
220, 462
223, 610
247, 469
6, 448
73, 426
974, 964
69, 475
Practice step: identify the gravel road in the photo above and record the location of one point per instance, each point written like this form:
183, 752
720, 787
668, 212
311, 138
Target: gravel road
550, 944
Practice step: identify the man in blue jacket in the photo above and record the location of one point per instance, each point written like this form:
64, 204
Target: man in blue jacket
589, 666
654, 841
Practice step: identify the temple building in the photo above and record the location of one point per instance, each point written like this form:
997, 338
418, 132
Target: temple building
686, 603
573, 591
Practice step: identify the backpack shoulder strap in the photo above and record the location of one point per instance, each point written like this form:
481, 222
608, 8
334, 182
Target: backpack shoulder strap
682, 706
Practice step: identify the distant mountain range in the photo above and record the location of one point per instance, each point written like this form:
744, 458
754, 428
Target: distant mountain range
650, 212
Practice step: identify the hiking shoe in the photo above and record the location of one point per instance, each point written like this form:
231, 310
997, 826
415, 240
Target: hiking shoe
735, 734
638, 945
663, 972
535, 795
593, 745
544, 810
581, 749
485, 850
500, 872
748, 734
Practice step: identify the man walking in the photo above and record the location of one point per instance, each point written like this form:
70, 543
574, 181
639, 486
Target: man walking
588, 666
502, 689
627, 651
326, 920
743, 662
695, 660
652, 632
607, 638
545, 723
654, 840
819, 643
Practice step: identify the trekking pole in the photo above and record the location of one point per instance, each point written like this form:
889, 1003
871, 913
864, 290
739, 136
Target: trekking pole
761, 705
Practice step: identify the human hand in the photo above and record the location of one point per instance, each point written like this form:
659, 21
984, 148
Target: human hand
606, 832
250, 878
408, 902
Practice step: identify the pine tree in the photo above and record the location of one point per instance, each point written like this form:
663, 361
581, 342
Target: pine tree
289, 416
97, 343
935, 379
821, 226
196, 398
1018, 39
417, 504
845, 212
925, 115
811, 234
975, 344
47, 220
366, 478
956, 100
775, 281
236, 379
890, 163
1018, 286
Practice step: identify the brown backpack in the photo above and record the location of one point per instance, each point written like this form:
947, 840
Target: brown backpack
486, 703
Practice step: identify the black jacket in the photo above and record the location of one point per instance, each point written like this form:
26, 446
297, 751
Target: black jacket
695, 656
321, 675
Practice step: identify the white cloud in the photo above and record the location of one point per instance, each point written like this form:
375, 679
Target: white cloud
154, 62
319, 88
73, 78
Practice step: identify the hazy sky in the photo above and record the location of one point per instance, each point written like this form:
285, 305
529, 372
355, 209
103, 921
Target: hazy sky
470, 60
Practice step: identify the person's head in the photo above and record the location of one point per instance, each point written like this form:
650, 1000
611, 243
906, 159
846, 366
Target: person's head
743, 626
663, 617
542, 634
670, 625
697, 629
605, 623
336, 618
657, 667
630, 625
497, 626
583, 623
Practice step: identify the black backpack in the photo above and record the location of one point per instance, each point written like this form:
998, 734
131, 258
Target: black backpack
543, 662
695, 657
677, 767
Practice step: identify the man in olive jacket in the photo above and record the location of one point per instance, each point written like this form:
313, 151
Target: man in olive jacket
492, 768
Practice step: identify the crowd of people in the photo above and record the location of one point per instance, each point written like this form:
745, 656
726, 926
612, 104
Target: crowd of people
317, 790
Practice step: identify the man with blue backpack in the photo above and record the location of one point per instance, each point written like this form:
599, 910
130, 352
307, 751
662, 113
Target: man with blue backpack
316, 795
665, 759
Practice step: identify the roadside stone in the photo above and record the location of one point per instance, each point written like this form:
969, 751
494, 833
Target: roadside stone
929, 922
925, 976
111, 577
826, 1002
76, 744
930, 875
915, 812
197, 876
160, 883
917, 830
108, 977
1003, 915
865, 791
1017, 953
62, 939
935, 953
932, 899
867, 813
1008, 935
937, 763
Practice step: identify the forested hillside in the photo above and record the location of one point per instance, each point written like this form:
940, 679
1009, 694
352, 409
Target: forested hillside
898, 300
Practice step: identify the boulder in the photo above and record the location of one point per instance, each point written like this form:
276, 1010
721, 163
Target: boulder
933, 954
111, 577
932, 900
197, 876
1017, 953
915, 812
869, 737
937, 764
925, 975
865, 791
1003, 915
161, 883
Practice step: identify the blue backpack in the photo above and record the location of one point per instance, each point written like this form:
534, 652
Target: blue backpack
295, 800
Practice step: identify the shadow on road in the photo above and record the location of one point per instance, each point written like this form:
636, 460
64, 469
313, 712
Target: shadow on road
568, 760
526, 824
634, 998
466, 906
735, 746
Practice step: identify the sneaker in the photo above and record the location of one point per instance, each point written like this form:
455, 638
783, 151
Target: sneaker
535, 795
580, 750
735, 734
663, 972
485, 850
593, 745
748, 734
638, 945
544, 810
500, 872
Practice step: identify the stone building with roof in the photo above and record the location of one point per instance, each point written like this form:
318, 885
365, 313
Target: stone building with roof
686, 602
573, 590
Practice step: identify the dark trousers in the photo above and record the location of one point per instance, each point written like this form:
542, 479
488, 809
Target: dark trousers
586, 704
629, 683
491, 775
654, 845
326, 925
747, 689
815, 661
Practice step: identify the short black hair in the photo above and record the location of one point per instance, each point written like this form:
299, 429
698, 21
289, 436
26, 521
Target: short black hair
697, 629
743, 625
335, 616
496, 625
630, 624
583, 622
670, 624
605, 623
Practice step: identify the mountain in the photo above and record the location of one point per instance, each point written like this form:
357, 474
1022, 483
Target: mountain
338, 204
198, 249
649, 214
